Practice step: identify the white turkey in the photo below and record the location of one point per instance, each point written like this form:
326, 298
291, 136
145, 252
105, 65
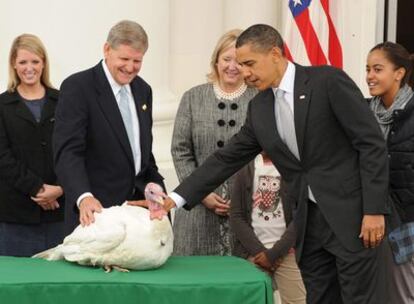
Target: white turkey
122, 237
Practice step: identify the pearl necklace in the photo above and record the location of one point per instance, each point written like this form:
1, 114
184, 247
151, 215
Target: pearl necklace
220, 94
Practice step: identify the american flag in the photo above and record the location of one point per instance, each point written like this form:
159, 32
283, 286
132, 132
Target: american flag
310, 32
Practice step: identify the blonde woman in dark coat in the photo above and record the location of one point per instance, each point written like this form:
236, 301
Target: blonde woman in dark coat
208, 115
31, 212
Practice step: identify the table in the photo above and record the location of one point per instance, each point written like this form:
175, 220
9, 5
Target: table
196, 279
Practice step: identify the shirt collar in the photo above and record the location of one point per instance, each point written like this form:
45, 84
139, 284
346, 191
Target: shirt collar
288, 79
116, 87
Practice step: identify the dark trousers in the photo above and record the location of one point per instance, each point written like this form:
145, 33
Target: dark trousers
25, 240
334, 275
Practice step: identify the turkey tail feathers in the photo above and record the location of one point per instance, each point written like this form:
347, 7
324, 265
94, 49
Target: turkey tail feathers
52, 254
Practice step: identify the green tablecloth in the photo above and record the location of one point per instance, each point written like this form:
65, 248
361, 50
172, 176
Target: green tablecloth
196, 280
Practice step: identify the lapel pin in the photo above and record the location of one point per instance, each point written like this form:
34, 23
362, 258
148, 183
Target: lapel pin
144, 107
302, 96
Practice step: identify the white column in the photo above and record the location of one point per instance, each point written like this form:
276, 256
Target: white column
196, 26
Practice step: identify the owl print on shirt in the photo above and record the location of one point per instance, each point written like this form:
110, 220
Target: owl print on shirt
267, 197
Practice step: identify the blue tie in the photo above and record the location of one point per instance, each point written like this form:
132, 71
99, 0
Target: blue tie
126, 116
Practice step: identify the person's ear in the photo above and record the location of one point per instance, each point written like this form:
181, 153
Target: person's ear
276, 54
106, 49
400, 73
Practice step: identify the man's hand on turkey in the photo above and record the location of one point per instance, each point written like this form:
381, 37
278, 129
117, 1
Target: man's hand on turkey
169, 204
87, 207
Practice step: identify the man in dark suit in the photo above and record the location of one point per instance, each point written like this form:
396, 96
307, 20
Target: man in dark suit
318, 131
103, 139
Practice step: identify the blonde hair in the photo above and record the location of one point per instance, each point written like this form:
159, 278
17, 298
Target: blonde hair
32, 44
226, 41
129, 33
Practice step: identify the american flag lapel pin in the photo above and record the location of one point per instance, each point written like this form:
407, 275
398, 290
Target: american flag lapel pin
144, 107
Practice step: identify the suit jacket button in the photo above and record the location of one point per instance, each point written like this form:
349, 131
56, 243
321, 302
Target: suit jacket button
221, 122
43, 143
220, 143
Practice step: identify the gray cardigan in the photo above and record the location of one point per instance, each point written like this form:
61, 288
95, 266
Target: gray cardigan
246, 241
203, 124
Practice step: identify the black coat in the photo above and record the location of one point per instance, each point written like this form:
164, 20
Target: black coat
26, 160
91, 146
401, 161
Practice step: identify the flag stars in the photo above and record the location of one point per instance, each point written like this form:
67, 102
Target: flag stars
297, 2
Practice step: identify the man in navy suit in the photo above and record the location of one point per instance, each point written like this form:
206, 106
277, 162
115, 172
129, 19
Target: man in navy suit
103, 140
317, 129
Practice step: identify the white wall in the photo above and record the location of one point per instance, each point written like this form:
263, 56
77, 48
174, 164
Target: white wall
359, 35
74, 31
182, 35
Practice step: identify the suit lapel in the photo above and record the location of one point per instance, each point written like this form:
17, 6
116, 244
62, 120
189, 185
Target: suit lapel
302, 93
141, 105
272, 133
109, 106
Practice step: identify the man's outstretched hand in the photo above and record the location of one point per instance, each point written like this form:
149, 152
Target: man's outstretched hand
168, 204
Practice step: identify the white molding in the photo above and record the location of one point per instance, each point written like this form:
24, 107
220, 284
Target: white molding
392, 20
380, 23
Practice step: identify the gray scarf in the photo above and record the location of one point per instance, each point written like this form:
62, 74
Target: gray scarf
385, 116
